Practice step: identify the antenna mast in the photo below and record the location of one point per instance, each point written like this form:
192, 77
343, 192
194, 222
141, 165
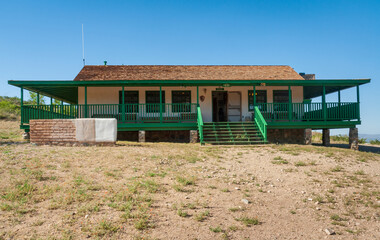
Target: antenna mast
84, 61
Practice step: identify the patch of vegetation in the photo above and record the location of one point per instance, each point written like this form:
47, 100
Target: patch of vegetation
185, 181
183, 213
300, 164
202, 216
248, 221
279, 160
375, 142
216, 229
337, 169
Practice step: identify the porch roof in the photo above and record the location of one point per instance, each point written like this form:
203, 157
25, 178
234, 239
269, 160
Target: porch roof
67, 90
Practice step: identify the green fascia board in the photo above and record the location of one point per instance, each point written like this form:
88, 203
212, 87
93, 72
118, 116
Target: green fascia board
112, 83
313, 125
156, 126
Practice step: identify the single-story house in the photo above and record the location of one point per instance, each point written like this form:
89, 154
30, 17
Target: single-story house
212, 104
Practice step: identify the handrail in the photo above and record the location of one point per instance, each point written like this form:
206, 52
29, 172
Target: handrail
200, 124
261, 123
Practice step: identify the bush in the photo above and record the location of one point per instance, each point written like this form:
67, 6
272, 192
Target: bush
9, 110
375, 142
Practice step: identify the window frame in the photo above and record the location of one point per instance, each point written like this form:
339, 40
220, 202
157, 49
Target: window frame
134, 108
250, 99
187, 107
156, 108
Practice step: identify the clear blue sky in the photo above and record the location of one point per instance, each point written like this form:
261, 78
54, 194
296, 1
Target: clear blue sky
41, 40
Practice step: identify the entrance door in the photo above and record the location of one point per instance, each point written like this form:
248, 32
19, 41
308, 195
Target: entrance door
219, 106
234, 106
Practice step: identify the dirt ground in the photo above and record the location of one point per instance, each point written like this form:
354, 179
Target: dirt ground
187, 191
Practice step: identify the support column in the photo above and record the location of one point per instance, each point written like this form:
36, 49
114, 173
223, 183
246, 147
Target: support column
61, 107
22, 104
254, 96
290, 110
308, 136
324, 103
160, 104
193, 136
38, 99
339, 112
197, 96
123, 104
326, 137
141, 136
85, 102
354, 139
358, 101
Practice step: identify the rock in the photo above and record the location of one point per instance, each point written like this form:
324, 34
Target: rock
86, 216
237, 188
329, 231
187, 197
245, 201
310, 199
318, 208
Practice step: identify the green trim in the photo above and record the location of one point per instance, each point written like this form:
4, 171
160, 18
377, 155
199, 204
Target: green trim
156, 126
313, 124
111, 83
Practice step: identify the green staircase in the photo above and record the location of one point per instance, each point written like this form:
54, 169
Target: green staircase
232, 133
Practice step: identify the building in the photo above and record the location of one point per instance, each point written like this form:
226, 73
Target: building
215, 104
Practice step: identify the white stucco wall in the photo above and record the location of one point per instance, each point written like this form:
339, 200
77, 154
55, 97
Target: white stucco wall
110, 95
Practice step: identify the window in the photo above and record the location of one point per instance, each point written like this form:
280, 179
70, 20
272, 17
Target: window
180, 97
261, 97
153, 101
131, 99
280, 97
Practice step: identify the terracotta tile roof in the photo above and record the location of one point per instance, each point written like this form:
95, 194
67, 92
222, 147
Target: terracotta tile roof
186, 72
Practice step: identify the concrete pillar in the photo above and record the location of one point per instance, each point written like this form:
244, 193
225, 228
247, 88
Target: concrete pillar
308, 136
193, 136
326, 137
141, 136
354, 139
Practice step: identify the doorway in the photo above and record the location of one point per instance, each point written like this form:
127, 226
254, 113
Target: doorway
219, 106
234, 106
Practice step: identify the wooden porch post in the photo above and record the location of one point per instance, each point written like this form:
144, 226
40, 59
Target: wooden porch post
61, 107
324, 103
122, 104
85, 102
160, 104
38, 99
290, 110
254, 97
339, 104
197, 96
358, 101
22, 104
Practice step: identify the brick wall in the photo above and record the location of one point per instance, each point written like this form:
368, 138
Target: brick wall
52, 131
294, 136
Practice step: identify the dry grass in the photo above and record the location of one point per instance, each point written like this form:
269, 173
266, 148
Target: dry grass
187, 191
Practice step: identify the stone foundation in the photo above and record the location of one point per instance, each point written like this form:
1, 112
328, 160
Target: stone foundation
141, 136
128, 136
168, 136
293, 136
193, 136
354, 139
326, 137
308, 136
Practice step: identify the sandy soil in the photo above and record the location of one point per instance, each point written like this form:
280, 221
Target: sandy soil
187, 191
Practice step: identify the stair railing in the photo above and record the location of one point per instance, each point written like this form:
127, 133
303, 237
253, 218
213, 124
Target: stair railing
200, 124
261, 123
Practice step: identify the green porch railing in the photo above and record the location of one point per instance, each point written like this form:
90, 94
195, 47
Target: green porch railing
133, 113
261, 123
335, 111
200, 124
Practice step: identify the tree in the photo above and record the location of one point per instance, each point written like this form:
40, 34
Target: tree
33, 98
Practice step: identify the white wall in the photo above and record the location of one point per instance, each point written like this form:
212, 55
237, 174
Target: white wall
110, 95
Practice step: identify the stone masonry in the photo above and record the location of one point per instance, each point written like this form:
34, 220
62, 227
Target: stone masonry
354, 139
308, 136
193, 136
293, 136
141, 136
326, 137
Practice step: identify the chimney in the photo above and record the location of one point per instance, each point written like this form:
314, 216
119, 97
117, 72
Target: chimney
105, 63
309, 76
